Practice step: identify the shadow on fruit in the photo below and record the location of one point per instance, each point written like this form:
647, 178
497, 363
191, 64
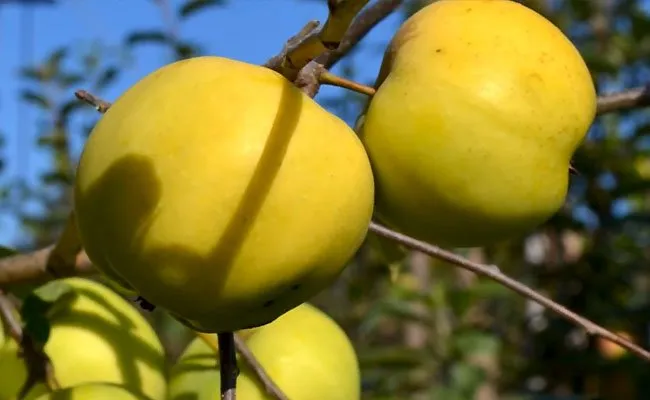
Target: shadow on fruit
176, 285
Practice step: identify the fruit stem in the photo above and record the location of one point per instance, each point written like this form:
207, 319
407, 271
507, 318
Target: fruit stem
228, 365
328, 78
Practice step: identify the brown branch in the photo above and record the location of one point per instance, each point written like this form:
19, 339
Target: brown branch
277, 62
99, 104
269, 386
33, 267
228, 365
361, 26
492, 272
308, 79
625, 100
62, 259
7, 316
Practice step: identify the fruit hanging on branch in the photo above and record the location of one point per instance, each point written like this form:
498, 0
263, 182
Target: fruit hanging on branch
220, 192
305, 352
90, 334
480, 105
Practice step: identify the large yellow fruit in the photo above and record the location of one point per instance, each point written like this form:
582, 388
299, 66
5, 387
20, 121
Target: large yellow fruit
92, 391
304, 351
222, 193
479, 108
96, 336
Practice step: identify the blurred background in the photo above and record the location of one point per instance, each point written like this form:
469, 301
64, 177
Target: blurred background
422, 329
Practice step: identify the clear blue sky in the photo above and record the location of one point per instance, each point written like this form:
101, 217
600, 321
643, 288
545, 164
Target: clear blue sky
247, 30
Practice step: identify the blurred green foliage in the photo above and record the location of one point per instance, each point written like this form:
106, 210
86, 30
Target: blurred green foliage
424, 329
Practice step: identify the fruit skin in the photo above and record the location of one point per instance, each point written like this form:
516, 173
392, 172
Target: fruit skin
98, 337
94, 391
610, 350
219, 191
304, 351
472, 128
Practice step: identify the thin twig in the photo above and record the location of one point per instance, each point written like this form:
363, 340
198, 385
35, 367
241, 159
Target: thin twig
625, 100
492, 272
228, 365
7, 316
99, 104
328, 78
269, 386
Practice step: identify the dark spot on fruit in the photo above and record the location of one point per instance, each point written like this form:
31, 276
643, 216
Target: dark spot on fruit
438, 50
295, 286
468, 10
268, 303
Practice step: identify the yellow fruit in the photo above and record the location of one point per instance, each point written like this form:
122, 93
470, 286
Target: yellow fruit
92, 391
96, 337
611, 350
304, 351
479, 108
220, 192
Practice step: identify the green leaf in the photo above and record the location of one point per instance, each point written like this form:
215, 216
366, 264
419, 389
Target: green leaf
38, 328
467, 378
475, 342
57, 177
193, 6
36, 99
57, 56
7, 251
32, 73
67, 80
147, 37
39, 303
186, 50
56, 140
69, 107
106, 77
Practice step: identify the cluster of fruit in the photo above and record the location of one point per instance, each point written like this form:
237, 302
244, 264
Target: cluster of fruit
220, 192
102, 348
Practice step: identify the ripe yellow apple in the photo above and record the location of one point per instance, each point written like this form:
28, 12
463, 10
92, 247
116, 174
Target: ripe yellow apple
220, 192
480, 105
93, 391
304, 351
95, 337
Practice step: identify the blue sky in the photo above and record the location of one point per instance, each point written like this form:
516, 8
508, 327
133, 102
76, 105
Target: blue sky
247, 30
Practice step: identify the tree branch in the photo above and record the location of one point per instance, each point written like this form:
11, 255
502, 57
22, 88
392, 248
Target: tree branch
361, 26
99, 104
33, 267
492, 272
625, 100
